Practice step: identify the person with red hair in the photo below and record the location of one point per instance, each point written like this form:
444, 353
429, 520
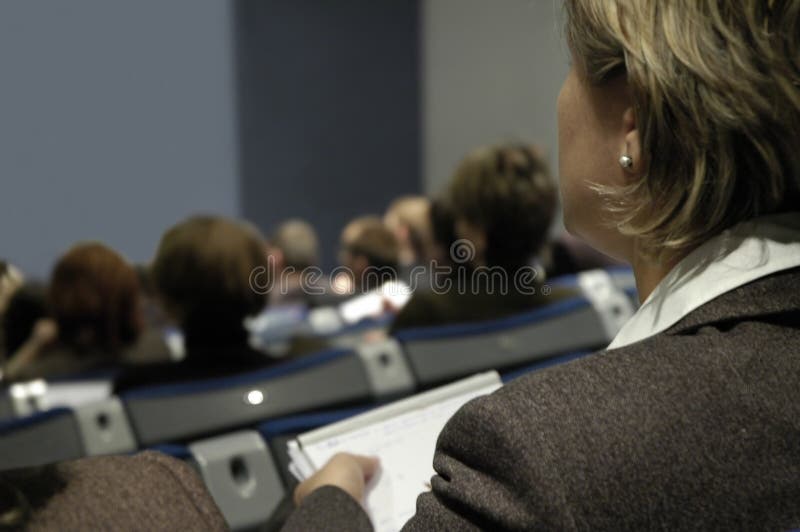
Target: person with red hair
94, 302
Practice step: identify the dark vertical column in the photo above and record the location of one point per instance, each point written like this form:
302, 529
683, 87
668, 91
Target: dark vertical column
329, 109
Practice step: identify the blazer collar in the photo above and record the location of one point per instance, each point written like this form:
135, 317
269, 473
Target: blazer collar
737, 257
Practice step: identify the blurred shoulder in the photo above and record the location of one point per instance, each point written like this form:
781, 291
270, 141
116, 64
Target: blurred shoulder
145, 491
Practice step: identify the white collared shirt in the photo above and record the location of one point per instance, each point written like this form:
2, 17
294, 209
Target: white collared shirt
739, 255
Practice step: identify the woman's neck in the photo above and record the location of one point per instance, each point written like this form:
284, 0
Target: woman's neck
650, 272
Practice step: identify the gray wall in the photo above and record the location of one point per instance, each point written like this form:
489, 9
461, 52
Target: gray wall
329, 110
116, 119
492, 70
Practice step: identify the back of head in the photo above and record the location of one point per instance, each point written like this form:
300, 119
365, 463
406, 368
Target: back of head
202, 273
94, 298
409, 218
443, 230
368, 237
507, 192
716, 92
298, 243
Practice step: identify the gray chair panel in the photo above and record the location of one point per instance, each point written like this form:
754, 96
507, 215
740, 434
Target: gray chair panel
437, 360
387, 370
6, 406
73, 394
165, 418
104, 428
52, 439
240, 474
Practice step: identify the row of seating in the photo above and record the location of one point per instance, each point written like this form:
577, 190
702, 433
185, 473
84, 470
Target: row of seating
246, 471
267, 407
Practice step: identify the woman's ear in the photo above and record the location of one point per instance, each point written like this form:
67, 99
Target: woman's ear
633, 166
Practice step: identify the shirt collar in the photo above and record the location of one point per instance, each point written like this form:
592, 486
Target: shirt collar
737, 256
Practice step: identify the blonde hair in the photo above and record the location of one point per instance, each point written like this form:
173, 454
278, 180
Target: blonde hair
716, 90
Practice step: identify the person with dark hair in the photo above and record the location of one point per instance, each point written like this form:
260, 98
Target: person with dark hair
148, 491
443, 230
202, 274
93, 298
491, 221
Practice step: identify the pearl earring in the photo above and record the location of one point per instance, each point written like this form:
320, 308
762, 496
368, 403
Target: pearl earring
625, 161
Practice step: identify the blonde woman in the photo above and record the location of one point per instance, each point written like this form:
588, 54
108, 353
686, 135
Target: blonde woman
679, 128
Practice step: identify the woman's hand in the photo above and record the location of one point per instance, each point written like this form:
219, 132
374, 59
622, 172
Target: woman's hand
349, 472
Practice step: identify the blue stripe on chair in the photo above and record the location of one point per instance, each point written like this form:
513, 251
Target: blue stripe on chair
181, 452
281, 370
305, 422
542, 364
632, 293
619, 269
484, 327
34, 419
568, 280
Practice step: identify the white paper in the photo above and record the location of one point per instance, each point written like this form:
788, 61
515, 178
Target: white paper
404, 442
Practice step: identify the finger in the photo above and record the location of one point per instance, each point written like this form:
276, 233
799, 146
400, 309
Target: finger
369, 464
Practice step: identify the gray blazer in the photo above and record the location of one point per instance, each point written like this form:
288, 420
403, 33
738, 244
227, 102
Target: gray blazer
696, 428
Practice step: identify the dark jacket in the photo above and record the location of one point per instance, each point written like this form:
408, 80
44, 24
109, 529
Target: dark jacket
60, 361
427, 309
696, 428
149, 491
201, 362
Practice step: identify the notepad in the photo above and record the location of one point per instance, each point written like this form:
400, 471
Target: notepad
403, 435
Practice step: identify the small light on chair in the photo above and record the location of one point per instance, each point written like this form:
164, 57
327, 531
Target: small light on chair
18, 391
254, 397
37, 387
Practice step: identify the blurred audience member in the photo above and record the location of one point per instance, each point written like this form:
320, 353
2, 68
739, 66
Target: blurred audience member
94, 301
367, 278
297, 285
408, 218
370, 253
151, 347
202, 275
293, 249
443, 230
494, 217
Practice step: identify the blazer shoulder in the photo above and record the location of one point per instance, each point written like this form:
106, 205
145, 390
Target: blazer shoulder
492, 472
